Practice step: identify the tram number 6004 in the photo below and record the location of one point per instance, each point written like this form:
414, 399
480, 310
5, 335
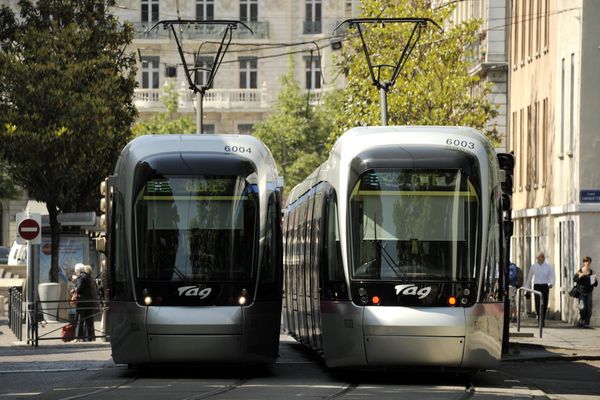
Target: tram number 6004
238, 149
460, 143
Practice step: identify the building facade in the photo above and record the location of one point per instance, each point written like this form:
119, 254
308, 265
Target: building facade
489, 54
554, 96
287, 35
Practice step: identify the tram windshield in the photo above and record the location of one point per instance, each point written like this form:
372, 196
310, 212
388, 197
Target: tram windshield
414, 224
196, 229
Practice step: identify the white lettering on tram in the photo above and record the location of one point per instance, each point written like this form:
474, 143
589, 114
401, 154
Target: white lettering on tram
412, 290
194, 291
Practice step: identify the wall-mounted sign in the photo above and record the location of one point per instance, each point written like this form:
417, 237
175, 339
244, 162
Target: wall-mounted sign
589, 196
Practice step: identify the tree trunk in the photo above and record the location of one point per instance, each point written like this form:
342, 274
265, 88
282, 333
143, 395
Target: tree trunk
54, 241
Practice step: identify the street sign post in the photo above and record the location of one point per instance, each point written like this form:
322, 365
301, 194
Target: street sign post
29, 228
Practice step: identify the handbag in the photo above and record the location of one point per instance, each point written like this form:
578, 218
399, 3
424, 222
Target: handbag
574, 292
67, 333
73, 299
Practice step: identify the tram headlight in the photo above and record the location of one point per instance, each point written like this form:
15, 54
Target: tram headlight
363, 296
147, 297
243, 297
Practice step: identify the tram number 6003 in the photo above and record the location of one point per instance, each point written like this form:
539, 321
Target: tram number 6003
238, 149
460, 143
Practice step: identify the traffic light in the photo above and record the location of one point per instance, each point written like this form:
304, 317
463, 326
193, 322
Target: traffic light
105, 202
506, 162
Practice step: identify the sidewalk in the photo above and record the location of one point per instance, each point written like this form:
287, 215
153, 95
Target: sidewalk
559, 340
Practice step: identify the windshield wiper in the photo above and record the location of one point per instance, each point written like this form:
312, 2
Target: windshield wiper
388, 258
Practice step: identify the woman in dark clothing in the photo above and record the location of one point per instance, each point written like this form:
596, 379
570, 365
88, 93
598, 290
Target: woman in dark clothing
85, 306
586, 280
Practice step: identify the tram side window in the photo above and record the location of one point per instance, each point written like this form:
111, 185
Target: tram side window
334, 282
120, 286
491, 285
272, 253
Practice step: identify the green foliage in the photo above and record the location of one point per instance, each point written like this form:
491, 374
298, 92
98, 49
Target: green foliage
66, 103
166, 122
295, 133
7, 187
433, 88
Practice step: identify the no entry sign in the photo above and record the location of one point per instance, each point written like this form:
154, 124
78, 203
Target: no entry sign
29, 229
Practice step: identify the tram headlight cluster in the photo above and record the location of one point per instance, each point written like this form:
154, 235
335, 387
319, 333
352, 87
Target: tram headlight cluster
243, 299
147, 297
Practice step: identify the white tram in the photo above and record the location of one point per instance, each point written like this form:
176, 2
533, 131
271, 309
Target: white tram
194, 251
392, 251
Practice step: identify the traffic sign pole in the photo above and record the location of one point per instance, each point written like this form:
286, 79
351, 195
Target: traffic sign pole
29, 228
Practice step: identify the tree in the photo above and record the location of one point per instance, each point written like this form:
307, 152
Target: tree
166, 122
66, 101
433, 88
295, 133
7, 188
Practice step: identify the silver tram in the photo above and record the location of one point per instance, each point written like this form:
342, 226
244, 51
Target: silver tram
194, 251
392, 251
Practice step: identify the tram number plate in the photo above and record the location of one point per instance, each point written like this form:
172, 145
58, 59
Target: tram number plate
238, 149
465, 144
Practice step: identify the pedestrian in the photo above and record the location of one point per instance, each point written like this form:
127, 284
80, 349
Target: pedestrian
515, 281
85, 307
586, 281
541, 278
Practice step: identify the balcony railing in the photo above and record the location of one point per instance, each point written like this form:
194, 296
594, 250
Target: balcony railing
245, 99
199, 31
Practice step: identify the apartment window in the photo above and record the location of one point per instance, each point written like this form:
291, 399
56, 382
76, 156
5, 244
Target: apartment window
538, 25
149, 11
245, 129
529, 148
249, 10
202, 73
515, 25
248, 72
150, 72
513, 132
572, 108
521, 150
561, 148
546, 24
523, 31
208, 128
535, 150
205, 10
348, 8
313, 72
312, 21
530, 30
544, 141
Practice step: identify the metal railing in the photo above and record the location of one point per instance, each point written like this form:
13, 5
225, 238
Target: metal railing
93, 309
540, 311
15, 311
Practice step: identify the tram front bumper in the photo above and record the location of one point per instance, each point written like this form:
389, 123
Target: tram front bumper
180, 334
404, 336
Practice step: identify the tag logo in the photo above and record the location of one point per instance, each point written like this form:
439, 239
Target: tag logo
194, 291
413, 290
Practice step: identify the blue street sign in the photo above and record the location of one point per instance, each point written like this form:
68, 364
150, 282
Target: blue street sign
589, 196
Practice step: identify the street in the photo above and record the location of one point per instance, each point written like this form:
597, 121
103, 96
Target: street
85, 371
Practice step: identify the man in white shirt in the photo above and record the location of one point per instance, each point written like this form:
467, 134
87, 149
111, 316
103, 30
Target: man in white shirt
541, 278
